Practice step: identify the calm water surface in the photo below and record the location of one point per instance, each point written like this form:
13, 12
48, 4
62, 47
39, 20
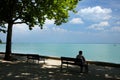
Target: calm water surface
96, 52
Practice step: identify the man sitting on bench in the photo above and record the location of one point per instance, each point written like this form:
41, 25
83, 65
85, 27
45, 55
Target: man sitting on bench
84, 63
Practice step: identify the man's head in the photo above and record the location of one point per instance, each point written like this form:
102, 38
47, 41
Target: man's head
80, 52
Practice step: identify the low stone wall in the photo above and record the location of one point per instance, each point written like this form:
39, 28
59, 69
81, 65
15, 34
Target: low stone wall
58, 58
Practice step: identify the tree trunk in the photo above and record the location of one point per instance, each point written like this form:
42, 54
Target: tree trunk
8, 42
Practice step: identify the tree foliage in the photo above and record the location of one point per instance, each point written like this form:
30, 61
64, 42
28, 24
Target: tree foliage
33, 12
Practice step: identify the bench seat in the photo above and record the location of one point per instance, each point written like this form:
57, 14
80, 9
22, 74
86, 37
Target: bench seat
35, 57
73, 61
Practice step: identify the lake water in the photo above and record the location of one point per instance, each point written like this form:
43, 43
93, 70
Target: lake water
95, 52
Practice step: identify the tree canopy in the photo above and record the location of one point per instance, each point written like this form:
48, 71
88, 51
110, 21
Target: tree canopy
32, 12
35, 12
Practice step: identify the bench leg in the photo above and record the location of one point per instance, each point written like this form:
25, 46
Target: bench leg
86, 68
81, 69
44, 61
38, 61
61, 67
27, 60
33, 60
67, 66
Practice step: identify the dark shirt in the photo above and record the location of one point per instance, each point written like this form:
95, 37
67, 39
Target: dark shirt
81, 57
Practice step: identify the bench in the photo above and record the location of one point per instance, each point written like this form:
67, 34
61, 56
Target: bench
35, 57
73, 61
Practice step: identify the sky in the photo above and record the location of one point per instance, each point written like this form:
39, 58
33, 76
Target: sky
96, 21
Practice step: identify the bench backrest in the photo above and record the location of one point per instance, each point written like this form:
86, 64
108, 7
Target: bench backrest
71, 59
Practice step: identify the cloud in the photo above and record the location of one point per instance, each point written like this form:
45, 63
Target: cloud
96, 13
20, 28
58, 29
49, 22
118, 22
115, 29
76, 21
47, 28
50, 29
99, 26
